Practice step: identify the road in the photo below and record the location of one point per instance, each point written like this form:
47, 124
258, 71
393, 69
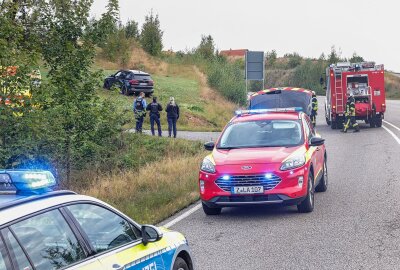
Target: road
355, 224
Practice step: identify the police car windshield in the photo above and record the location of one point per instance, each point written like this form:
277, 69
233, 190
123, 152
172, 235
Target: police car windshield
262, 133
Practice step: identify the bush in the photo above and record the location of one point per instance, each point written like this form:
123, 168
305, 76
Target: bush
228, 79
117, 47
308, 74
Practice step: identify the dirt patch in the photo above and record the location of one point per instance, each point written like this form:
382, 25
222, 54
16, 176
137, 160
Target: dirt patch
207, 93
142, 61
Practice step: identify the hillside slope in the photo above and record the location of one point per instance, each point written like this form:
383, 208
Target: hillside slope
203, 109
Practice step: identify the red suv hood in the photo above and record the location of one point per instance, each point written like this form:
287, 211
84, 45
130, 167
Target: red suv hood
252, 155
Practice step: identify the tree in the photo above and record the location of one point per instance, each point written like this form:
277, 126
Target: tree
151, 35
132, 29
294, 59
63, 122
271, 58
356, 58
333, 57
206, 49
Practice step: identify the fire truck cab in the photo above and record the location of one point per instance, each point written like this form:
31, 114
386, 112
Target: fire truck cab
366, 82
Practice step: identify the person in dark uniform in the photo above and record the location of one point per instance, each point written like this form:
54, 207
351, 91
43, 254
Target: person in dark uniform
172, 116
155, 108
350, 115
139, 109
314, 108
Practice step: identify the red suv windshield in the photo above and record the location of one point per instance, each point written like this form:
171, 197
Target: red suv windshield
262, 133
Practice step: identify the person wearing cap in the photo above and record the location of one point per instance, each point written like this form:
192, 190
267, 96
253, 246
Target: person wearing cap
350, 115
155, 108
172, 110
314, 108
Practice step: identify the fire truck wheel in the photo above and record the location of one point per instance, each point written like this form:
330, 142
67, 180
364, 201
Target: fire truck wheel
378, 123
372, 123
334, 124
327, 121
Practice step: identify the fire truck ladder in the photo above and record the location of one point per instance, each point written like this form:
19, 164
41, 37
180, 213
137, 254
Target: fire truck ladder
339, 90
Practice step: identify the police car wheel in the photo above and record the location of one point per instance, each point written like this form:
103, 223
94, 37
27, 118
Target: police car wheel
180, 264
323, 183
307, 205
209, 211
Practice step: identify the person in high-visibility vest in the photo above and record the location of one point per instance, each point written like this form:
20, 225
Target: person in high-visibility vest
314, 108
350, 115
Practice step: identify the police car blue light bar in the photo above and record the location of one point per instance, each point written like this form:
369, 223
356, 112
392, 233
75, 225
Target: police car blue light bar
21, 181
262, 111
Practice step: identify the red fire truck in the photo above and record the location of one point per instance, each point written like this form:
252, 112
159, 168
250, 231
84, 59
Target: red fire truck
365, 81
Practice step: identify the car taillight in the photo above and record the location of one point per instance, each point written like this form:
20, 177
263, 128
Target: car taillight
134, 82
150, 82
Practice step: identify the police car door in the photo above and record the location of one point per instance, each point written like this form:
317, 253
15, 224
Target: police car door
117, 242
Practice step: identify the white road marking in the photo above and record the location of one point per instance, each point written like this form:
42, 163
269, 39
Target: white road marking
184, 215
393, 135
386, 122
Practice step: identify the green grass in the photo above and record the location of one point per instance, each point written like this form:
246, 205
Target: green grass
158, 178
197, 113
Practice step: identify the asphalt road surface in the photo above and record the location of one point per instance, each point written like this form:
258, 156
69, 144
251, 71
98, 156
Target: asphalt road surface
355, 224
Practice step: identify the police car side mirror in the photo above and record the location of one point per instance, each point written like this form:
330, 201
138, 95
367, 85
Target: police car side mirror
150, 234
209, 146
316, 141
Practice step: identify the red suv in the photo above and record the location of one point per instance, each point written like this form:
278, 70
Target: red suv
264, 157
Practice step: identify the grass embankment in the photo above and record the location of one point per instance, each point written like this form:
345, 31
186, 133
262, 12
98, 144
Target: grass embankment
161, 179
392, 86
202, 109
151, 178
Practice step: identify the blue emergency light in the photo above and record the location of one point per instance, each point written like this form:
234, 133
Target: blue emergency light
262, 111
26, 181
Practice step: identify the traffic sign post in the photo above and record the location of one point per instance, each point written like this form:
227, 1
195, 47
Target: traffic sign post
255, 67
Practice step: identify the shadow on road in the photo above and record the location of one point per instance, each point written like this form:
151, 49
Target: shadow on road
259, 211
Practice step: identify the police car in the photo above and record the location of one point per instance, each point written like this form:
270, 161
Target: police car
42, 229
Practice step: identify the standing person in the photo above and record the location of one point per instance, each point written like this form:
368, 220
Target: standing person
155, 109
139, 109
172, 116
314, 109
350, 115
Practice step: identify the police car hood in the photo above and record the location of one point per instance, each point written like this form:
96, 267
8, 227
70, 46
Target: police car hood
264, 155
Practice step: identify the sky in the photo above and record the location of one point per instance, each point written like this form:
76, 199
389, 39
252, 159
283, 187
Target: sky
309, 27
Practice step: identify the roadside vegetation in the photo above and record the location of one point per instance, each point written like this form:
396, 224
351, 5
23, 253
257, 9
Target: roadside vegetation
295, 70
150, 178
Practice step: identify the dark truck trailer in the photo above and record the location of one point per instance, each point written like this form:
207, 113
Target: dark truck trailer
366, 82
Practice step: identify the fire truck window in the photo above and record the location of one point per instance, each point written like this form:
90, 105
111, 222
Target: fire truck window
358, 86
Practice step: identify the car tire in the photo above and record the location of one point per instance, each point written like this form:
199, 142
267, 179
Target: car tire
148, 94
106, 85
125, 90
323, 183
211, 211
307, 205
180, 264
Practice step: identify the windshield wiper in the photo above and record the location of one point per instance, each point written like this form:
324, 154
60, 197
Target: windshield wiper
228, 147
